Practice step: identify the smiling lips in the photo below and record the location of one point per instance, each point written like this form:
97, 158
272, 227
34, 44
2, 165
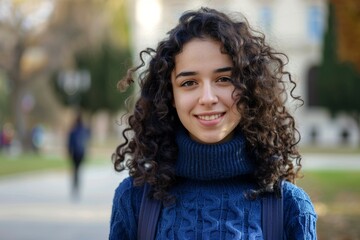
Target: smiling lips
210, 117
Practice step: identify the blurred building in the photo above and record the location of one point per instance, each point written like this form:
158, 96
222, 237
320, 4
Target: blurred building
295, 27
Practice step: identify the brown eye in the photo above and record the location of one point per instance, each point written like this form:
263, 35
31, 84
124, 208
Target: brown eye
224, 79
188, 84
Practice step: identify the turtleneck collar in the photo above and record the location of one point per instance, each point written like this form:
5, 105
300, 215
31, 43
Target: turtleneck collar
212, 161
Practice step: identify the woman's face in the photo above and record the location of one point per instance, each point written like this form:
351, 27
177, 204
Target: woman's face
203, 91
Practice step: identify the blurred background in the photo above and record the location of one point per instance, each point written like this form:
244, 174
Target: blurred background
60, 59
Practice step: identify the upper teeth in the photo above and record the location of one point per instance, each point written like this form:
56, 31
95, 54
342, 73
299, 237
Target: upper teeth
209, 117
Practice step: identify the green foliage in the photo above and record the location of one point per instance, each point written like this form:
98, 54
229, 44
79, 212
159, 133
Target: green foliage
29, 163
4, 96
326, 185
106, 65
33, 163
119, 22
336, 196
338, 82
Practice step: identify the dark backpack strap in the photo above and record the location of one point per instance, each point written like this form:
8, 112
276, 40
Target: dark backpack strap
273, 216
148, 215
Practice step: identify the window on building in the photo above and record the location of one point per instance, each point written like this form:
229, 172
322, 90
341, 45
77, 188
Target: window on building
315, 23
266, 18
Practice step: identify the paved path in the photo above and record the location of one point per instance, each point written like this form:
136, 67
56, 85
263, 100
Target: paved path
331, 161
39, 206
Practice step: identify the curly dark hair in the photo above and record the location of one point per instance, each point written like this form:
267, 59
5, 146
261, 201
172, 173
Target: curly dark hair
259, 75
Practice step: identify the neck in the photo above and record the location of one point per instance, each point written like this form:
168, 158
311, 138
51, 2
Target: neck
212, 161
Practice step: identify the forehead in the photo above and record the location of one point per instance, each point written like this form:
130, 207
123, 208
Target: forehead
198, 53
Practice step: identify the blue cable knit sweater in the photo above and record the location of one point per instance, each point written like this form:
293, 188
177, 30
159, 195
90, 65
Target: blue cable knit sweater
210, 199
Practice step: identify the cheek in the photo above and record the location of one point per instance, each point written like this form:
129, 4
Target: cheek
235, 111
235, 100
175, 99
179, 103
239, 114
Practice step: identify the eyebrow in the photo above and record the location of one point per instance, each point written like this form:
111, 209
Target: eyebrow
191, 73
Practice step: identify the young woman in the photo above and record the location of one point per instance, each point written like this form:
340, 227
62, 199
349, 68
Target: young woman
210, 133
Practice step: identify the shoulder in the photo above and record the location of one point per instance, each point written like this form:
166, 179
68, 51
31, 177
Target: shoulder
126, 194
299, 213
125, 210
124, 188
296, 199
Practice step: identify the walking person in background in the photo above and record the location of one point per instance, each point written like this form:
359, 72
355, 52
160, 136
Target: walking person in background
77, 147
211, 135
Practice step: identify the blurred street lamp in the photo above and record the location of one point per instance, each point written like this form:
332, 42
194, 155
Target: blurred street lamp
74, 82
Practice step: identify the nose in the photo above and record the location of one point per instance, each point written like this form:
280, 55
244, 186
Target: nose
208, 95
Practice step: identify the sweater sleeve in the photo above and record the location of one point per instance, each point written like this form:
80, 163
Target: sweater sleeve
299, 214
125, 210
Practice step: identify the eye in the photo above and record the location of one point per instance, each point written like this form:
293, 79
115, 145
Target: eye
188, 83
224, 79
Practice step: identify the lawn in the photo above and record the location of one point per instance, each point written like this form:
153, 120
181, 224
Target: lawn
10, 165
336, 196
31, 162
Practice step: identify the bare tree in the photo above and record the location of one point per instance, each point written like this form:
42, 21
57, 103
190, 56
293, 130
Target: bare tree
40, 36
